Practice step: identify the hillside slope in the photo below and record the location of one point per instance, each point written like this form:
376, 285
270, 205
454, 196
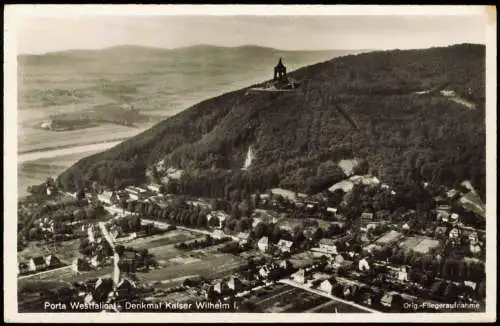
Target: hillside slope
297, 138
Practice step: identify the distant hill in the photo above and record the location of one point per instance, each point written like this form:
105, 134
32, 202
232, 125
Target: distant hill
161, 81
298, 138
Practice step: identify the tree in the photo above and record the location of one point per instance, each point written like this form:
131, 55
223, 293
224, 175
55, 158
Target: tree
80, 194
361, 168
259, 230
397, 304
202, 221
214, 221
235, 211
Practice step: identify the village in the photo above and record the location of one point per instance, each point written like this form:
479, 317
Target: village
291, 251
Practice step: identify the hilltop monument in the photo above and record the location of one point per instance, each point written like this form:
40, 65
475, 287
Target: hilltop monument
280, 72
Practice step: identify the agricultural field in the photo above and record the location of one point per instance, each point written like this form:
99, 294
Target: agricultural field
210, 265
67, 275
388, 237
420, 244
286, 298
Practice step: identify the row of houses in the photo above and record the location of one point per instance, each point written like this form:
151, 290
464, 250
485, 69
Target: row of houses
38, 264
130, 192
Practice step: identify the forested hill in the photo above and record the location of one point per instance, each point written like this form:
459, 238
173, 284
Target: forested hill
298, 138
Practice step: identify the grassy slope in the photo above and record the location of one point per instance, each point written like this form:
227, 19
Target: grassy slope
397, 129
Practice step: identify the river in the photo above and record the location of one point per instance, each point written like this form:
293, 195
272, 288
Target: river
36, 166
37, 155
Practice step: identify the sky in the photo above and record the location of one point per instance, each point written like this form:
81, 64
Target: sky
37, 35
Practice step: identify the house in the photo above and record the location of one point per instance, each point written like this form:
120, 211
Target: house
366, 217
263, 244
128, 256
470, 284
222, 216
447, 92
366, 299
475, 248
405, 227
36, 264
300, 276
443, 208
403, 274
440, 230
94, 261
285, 245
454, 217
243, 238
264, 271
327, 246
234, 284
454, 233
220, 287
154, 187
218, 234
332, 210
108, 197
309, 232
451, 193
338, 260
345, 186
80, 264
52, 261
136, 192
90, 233
102, 288
363, 265
473, 238
326, 286
349, 290
386, 300
366, 180
285, 264
125, 287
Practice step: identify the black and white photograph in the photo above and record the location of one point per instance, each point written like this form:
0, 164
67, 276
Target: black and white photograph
235, 163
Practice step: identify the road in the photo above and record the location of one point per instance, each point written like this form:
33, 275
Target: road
303, 287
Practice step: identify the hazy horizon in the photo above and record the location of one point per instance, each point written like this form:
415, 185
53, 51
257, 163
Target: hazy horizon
40, 35
228, 47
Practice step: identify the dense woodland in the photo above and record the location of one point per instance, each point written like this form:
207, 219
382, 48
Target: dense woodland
298, 137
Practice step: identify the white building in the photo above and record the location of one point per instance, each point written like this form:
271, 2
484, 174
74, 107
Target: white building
454, 233
106, 197
326, 286
222, 216
154, 187
285, 245
403, 274
243, 238
363, 265
136, 192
